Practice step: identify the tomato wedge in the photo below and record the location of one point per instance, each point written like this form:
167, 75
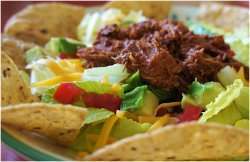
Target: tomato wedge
68, 93
108, 101
190, 113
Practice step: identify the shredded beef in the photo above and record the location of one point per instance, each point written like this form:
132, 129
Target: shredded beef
167, 54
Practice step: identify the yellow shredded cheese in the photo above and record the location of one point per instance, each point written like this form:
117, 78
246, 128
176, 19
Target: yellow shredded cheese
58, 79
241, 75
94, 138
166, 105
159, 123
106, 129
147, 119
105, 79
115, 89
60, 67
120, 114
126, 114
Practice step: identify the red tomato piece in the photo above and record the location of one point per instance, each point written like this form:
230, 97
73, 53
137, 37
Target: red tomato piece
68, 93
108, 101
190, 113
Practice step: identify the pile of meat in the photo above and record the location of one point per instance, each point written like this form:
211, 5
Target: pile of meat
166, 53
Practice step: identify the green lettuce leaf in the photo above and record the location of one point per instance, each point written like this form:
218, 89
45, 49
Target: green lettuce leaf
123, 128
34, 54
244, 124
116, 73
229, 115
127, 127
242, 102
223, 100
95, 114
227, 75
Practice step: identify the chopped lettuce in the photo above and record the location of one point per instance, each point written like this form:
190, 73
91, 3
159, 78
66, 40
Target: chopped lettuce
229, 115
242, 102
40, 72
25, 76
123, 128
88, 86
240, 48
95, 114
244, 124
115, 73
223, 100
227, 75
34, 54
92, 23
126, 127
57, 46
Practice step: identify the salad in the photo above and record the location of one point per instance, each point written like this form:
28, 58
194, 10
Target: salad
135, 75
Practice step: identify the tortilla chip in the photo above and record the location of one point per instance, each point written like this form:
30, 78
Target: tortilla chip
223, 16
39, 22
188, 141
59, 122
13, 89
151, 9
16, 49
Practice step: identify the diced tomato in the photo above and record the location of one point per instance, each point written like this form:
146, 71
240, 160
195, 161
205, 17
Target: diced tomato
67, 56
68, 93
190, 113
108, 101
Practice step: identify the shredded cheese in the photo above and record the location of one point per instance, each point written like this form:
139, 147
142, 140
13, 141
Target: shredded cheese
240, 75
105, 79
159, 123
166, 105
147, 119
115, 89
58, 79
106, 129
94, 138
126, 114
60, 67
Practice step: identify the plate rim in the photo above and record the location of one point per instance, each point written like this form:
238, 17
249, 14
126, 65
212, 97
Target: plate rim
25, 149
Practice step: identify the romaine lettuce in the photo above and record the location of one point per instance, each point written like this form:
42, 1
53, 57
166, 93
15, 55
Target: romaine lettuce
223, 100
95, 114
34, 54
115, 73
244, 124
242, 102
123, 128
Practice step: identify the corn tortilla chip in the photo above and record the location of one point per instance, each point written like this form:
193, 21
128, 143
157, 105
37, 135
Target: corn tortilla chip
188, 141
223, 16
151, 9
16, 49
39, 22
13, 88
59, 122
